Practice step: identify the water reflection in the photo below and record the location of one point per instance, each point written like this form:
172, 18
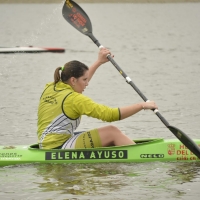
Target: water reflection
81, 179
88, 179
93, 180
185, 172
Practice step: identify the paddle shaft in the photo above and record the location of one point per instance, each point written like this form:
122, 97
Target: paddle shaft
185, 139
128, 80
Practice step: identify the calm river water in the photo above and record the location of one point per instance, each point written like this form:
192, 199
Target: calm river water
157, 45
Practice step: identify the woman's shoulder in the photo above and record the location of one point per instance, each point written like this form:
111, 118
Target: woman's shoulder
78, 99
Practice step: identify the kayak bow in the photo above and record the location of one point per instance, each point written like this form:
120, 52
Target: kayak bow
145, 150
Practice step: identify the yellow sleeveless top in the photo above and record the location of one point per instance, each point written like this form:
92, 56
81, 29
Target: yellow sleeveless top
60, 110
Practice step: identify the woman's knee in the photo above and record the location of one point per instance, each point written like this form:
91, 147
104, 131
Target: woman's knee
112, 129
108, 134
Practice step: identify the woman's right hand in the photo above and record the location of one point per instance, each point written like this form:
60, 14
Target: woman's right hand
149, 105
127, 111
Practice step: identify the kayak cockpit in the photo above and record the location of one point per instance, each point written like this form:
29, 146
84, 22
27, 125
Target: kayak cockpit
148, 140
34, 146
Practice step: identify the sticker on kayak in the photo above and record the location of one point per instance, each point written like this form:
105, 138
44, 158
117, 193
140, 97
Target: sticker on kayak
152, 156
10, 156
76, 155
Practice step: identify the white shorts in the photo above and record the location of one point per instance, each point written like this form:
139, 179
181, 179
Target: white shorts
70, 143
83, 140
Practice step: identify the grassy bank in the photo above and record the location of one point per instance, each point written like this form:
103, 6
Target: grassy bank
99, 1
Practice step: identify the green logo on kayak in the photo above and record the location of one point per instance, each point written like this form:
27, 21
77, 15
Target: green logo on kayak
76, 155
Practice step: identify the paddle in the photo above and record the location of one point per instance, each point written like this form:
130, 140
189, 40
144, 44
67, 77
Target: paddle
76, 16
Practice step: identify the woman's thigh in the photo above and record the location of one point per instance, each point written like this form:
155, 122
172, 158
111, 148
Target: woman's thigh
88, 139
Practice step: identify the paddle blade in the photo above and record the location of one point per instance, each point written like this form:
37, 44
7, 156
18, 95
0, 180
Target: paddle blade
76, 16
189, 143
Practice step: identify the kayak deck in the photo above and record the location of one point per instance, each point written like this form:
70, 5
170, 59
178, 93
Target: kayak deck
145, 150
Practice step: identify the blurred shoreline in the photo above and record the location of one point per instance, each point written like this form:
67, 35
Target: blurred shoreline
99, 1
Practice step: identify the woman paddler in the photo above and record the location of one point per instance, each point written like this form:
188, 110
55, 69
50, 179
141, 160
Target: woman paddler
62, 104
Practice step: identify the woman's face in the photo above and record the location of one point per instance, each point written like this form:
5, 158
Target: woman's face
79, 84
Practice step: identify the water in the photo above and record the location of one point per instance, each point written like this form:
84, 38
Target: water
157, 45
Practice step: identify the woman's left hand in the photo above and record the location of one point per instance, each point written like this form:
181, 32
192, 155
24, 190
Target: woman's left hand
102, 56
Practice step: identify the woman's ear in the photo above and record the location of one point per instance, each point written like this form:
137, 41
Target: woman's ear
72, 81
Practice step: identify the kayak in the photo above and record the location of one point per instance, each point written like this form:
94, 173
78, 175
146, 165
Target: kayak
145, 150
30, 49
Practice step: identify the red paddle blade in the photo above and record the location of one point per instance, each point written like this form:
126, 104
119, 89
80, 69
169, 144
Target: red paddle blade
77, 17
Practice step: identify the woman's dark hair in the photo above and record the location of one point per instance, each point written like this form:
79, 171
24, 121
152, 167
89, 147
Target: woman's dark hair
73, 68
